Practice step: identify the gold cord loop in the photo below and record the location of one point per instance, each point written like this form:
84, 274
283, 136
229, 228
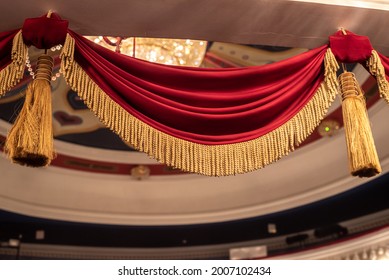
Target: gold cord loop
349, 86
44, 68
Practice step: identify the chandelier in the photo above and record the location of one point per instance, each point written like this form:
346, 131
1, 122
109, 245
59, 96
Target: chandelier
165, 51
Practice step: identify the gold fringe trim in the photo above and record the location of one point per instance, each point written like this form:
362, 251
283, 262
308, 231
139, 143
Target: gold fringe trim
377, 70
211, 160
11, 75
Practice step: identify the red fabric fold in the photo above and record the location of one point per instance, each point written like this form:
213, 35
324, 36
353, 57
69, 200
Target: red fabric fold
6, 39
44, 32
207, 106
349, 47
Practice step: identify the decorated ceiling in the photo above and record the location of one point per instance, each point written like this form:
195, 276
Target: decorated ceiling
74, 123
95, 185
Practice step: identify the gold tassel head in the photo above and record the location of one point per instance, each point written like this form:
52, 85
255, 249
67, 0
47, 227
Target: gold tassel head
30, 141
362, 154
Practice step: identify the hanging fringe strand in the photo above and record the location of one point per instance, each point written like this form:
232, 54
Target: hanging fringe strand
30, 141
376, 69
13, 73
362, 154
212, 160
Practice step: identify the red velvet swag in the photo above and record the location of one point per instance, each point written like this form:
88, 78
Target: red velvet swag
45, 32
210, 121
349, 47
206, 106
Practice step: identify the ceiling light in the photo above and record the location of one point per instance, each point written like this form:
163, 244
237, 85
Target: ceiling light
376, 4
165, 51
140, 172
328, 127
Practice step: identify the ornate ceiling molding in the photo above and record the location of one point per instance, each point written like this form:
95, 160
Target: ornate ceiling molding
346, 249
57, 193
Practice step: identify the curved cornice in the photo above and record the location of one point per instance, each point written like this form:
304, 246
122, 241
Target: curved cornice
342, 249
314, 172
247, 22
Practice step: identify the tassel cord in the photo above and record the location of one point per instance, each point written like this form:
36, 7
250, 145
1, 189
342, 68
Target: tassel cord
362, 154
30, 140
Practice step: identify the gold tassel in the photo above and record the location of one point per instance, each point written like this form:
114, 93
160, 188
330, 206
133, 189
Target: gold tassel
362, 154
30, 141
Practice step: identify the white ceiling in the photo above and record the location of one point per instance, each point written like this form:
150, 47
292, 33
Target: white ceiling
266, 22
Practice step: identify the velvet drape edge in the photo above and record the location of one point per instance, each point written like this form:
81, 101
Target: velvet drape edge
11, 75
211, 160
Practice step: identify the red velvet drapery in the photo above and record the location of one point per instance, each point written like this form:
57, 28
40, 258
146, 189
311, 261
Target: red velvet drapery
208, 121
12, 59
6, 39
207, 106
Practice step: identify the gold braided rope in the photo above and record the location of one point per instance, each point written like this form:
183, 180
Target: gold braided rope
13, 73
377, 69
211, 160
